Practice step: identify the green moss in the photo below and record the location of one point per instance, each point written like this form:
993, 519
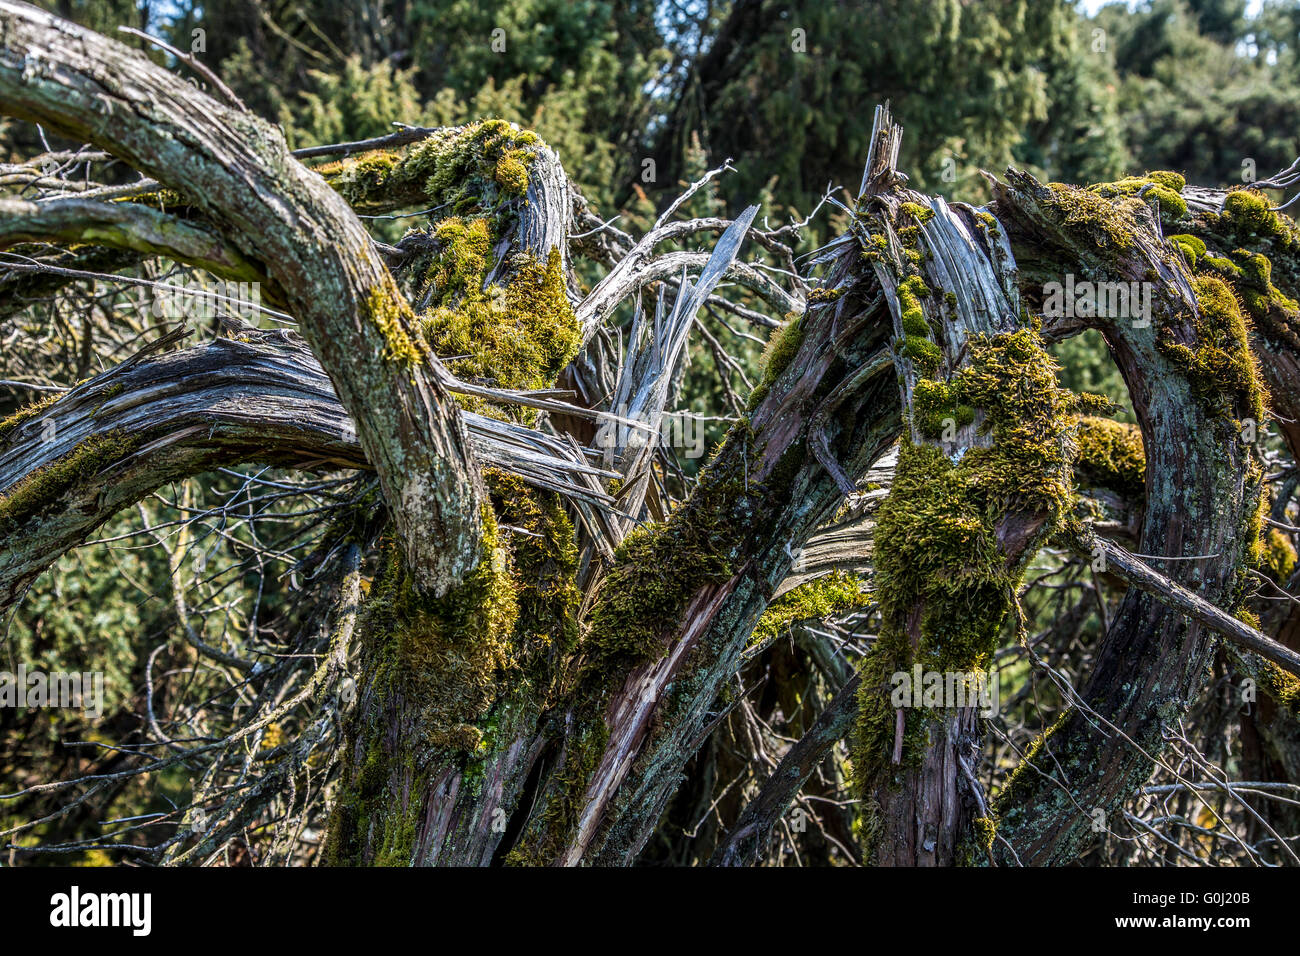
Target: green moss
660, 566
1252, 538
924, 354
435, 667
657, 570
1190, 246
1251, 277
468, 169
1225, 267
545, 564
877, 246
781, 349
1023, 778
916, 211
1282, 686
1109, 225
820, 295
985, 833
1278, 555
43, 488
910, 293
1219, 366
1162, 186
935, 404
777, 355
642, 602
1250, 215
916, 343
1111, 456
392, 316
517, 336
1168, 179
511, 171
447, 654
464, 260
582, 753
943, 581
27, 413
837, 591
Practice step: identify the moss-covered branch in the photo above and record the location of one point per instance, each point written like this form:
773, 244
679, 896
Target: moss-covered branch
239, 174
129, 226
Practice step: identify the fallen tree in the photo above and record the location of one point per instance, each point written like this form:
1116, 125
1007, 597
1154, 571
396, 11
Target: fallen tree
524, 632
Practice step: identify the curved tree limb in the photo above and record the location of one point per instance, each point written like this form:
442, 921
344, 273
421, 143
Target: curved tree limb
238, 171
128, 226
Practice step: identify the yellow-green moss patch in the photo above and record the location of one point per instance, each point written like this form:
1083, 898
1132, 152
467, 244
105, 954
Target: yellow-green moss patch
1110, 456
837, 591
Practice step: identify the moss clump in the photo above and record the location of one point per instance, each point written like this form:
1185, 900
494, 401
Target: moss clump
924, 354
910, 293
1108, 224
364, 813
468, 169
445, 656
1191, 247
1163, 186
878, 245
660, 566
1282, 686
1023, 777
511, 172
943, 581
935, 405
916, 342
517, 336
1111, 456
27, 413
465, 257
392, 316
478, 156
837, 591
439, 664
1277, 555
1225, 267
656, 570
1219, 366
1250, 215
361, 176
916, 211
777, 355
876, 727
545, 565
1251, 275
1168, 179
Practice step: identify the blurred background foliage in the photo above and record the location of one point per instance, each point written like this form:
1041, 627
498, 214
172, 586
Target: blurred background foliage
639, 96
786, 90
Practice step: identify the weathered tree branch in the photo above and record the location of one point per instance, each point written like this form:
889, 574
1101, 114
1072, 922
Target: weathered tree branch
238, 171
